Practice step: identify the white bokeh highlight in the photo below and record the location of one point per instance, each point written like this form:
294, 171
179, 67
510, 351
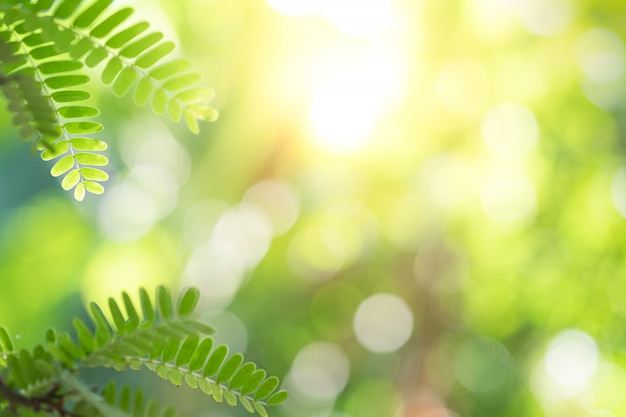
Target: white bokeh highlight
383, 323
571, 358
278, 201
568, 368
600, 54
319, 373
508, 195
618, 191
510, 131
546, 17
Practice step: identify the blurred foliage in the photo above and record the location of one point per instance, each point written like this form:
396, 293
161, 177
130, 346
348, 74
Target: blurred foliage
407, 208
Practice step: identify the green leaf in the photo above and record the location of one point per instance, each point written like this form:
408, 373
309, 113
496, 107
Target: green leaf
215, 360
68, 346
138, 404
230, 397
131, 312
85, 339
186, 350
165, 302
174, 111
111, 22
93, 187
125, 395
169, 68
188, 301
121, 38
152, 408
159, 101
266, 388
71, 179
196, 326
140, 45
44, 52
195, 95
85, 158
86, 18
253, 382
116, 314
218, 393
55, 150
155, 55
112, 68
82, 127
278, 398
191, 381
88, 144
146, 305
66, 9
70, 95
243, 375
183, 81
124, 81
169, 350
143, 91
200, 354
62, 166
176, 377
96, 56
260, 409
191, 122
34, 39
6, 343
246, 404
205, 386
202, 112
70, 112
94, 174
64, 81
103, 329
54, 67
80, 48
229, 368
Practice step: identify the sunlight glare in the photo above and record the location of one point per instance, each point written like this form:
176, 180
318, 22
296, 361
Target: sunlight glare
357, 17
292, 7
346, 108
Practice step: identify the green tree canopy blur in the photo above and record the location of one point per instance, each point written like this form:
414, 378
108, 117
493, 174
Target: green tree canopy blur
408, 208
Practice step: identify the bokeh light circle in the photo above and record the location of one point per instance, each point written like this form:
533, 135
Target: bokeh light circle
600, 54
319, 372
383, 323
618, 191
510, 131
571, 358
277, 200
508, 194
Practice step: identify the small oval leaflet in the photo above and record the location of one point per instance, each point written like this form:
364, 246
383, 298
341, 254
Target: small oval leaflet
86, 158
69, 96
62, 166
64, 81
71, 112
82, 127
71, 179
79, 192
88, 144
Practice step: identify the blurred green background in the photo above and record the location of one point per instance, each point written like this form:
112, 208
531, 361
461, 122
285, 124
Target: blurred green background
408, 208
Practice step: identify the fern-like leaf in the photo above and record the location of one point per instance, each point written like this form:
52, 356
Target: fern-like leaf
43, 47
